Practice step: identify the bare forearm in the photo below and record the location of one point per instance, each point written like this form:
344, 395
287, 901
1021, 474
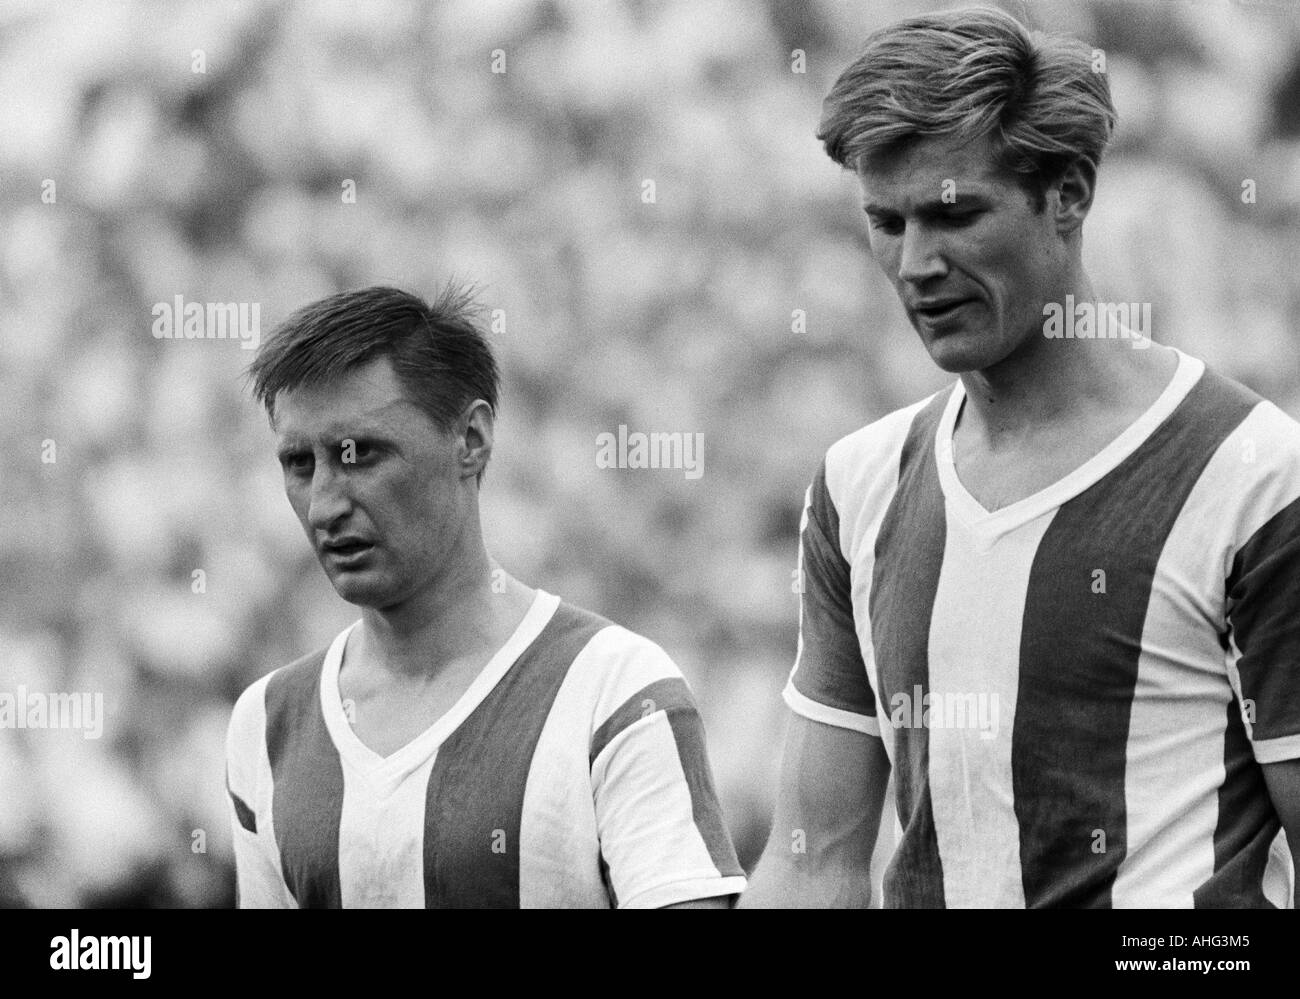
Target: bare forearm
715, 902
792, 883
1283, 782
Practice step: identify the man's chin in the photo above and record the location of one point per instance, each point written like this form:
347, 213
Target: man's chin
356, 589
963, 351
956, 357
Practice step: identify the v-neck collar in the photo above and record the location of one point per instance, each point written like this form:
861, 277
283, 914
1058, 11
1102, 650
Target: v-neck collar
990, 525
415, 752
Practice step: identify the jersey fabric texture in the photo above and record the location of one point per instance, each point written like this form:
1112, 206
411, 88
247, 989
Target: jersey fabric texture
1076, 692
571, 773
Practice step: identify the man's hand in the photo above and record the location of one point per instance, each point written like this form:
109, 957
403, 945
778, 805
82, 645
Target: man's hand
828, 808
1283, 782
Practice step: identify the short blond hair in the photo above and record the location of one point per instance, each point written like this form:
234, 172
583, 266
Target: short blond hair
972, 72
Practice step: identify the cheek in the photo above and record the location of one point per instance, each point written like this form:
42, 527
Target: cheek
424, 497
885, 253
1009, 268
298, 496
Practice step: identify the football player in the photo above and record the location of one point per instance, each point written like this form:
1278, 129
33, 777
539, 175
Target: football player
1059, 602
470, 741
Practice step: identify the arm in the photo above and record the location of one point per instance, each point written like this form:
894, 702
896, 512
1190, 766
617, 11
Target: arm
259, 883
662, 834
1283, 782
828, 808
718, 902
1263, 592
834, 773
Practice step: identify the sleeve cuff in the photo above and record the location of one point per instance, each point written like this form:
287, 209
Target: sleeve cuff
1286, 747
685, 891
803, 705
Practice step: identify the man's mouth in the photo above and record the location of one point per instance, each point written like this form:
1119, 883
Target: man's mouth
939, 311
347, 550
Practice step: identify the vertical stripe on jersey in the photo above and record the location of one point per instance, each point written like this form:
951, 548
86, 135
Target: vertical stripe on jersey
904, 579
1080, 650
1263, 592
1245, 829
974, 654
672, 697
1264, 615
307, 800
828, 668
475, 798
688, 733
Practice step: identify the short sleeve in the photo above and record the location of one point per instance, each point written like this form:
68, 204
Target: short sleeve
663, 839
259, 883
1263, 614
829, 681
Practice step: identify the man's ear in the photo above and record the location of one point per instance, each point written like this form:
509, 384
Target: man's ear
476, 429
1074, 192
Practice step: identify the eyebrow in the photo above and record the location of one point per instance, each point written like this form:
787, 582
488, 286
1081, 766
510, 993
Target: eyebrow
292, 445
333, 438
934, 207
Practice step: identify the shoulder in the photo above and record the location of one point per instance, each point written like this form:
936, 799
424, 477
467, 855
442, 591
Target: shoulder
1264, 453
887, 435
867, 461
292, 684
1256, 446
1270, 439
610, 650
1221, 409
621, 671
1232, 459
1266, 434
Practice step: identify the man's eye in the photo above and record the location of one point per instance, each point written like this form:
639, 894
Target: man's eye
959, 221
298, 462
355, 451
890, 227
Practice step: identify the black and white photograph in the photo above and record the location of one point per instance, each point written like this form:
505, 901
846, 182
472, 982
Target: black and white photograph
601, 454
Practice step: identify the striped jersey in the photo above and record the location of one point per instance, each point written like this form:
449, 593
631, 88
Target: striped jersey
571, 773
1075, 692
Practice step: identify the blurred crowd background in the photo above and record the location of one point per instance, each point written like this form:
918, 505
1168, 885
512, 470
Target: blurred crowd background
156, 149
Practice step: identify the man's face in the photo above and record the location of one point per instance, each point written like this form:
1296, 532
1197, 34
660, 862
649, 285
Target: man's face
375, 484
969, 256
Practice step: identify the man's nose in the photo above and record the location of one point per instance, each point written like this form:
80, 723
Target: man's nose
920, 259
329, 497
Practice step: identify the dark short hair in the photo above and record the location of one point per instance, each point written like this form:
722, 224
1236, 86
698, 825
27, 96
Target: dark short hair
972, 72
439, 353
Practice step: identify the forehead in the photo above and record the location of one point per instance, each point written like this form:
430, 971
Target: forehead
917, 173
368, 397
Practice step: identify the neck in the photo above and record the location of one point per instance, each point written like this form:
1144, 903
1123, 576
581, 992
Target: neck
1048, 382
467, 612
